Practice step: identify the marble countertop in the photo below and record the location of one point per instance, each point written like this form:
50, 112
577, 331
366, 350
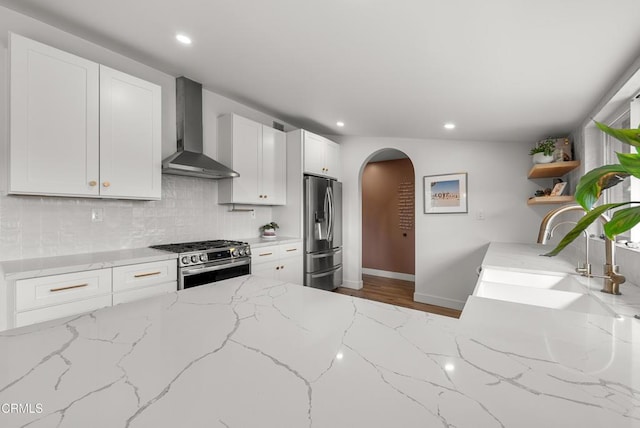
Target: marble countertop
254, 352
262, 242
43, 266
30, 268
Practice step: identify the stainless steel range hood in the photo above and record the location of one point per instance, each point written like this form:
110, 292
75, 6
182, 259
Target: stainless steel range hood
189, 159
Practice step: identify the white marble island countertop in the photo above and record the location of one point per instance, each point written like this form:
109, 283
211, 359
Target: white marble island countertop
253, 352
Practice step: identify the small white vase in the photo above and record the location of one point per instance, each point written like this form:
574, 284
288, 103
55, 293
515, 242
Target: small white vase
542, 158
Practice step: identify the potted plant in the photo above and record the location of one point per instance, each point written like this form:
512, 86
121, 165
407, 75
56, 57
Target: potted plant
543, 151
269, 230
592, 184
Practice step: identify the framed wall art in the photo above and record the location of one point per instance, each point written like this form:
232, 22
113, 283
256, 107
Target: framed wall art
445, 194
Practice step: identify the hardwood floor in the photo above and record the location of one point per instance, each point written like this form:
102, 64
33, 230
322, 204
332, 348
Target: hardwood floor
396, 292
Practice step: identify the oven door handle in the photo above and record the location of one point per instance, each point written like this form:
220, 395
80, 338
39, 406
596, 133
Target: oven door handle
220, 266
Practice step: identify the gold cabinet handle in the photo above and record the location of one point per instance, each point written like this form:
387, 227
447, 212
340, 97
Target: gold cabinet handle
93, 183
69, 287
265, 254
106, 184
291, 249
142, 275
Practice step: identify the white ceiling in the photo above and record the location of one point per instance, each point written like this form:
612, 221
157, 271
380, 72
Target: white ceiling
506, 70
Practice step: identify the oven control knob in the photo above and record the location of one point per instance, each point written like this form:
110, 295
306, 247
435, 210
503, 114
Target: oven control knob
241, 251
234, 252
203, 257
248, 251
185, 260
194, 258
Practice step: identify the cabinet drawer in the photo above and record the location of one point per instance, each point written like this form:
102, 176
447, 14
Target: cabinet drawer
291, 250
144, 274
63, 310
265, 254
56, 289
142, 293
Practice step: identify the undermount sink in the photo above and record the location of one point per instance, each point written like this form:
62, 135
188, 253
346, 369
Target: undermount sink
535, 280
537, 289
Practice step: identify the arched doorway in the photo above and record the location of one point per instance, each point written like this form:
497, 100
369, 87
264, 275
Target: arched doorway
388, 223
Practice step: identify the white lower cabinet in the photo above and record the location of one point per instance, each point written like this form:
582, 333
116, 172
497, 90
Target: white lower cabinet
49, 297
56, 296
282, 262
133, 282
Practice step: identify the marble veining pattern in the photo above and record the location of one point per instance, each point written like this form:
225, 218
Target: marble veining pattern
252, 352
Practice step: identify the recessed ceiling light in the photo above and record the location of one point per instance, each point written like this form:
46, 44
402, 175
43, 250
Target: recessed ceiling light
340, 124
183, 39
449, 125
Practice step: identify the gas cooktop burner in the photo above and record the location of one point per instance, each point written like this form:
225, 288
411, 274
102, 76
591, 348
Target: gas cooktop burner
201, 252
187, 247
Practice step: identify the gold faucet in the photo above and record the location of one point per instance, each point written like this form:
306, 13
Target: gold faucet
612, 278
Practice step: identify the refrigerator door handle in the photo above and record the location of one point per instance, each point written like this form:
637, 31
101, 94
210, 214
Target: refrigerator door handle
326, 254
331, 215
327, 273
326, 207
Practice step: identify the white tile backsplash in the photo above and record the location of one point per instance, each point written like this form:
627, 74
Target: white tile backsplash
35, 226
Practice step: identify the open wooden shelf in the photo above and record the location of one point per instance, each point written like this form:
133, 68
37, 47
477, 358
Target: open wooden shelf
553, 169
545, 200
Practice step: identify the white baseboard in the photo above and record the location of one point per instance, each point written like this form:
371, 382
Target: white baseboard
438, 301
355, 285
387, 274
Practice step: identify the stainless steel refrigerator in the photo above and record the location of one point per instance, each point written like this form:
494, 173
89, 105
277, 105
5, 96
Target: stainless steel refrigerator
322, 232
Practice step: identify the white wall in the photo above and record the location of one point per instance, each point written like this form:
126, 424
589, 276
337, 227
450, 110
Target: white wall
449, 247
32, 226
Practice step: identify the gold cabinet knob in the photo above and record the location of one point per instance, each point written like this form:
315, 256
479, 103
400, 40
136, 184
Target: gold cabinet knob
277, 267
265, 196
93, 183
281, 267
106, 184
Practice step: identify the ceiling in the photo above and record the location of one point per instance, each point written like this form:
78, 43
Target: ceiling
502, 70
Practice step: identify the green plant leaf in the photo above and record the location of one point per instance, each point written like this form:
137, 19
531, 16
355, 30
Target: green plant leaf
627, 136
630, 162
592, 184
622, 221
582, 224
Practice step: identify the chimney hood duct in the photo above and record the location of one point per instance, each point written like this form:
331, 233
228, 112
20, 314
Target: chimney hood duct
189, 159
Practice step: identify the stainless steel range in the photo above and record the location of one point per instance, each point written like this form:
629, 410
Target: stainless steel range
204, 262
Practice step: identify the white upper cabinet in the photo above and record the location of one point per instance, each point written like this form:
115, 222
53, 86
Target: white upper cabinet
321, 156
54, 122
80, 129
274, 166
130, 136
258, 153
